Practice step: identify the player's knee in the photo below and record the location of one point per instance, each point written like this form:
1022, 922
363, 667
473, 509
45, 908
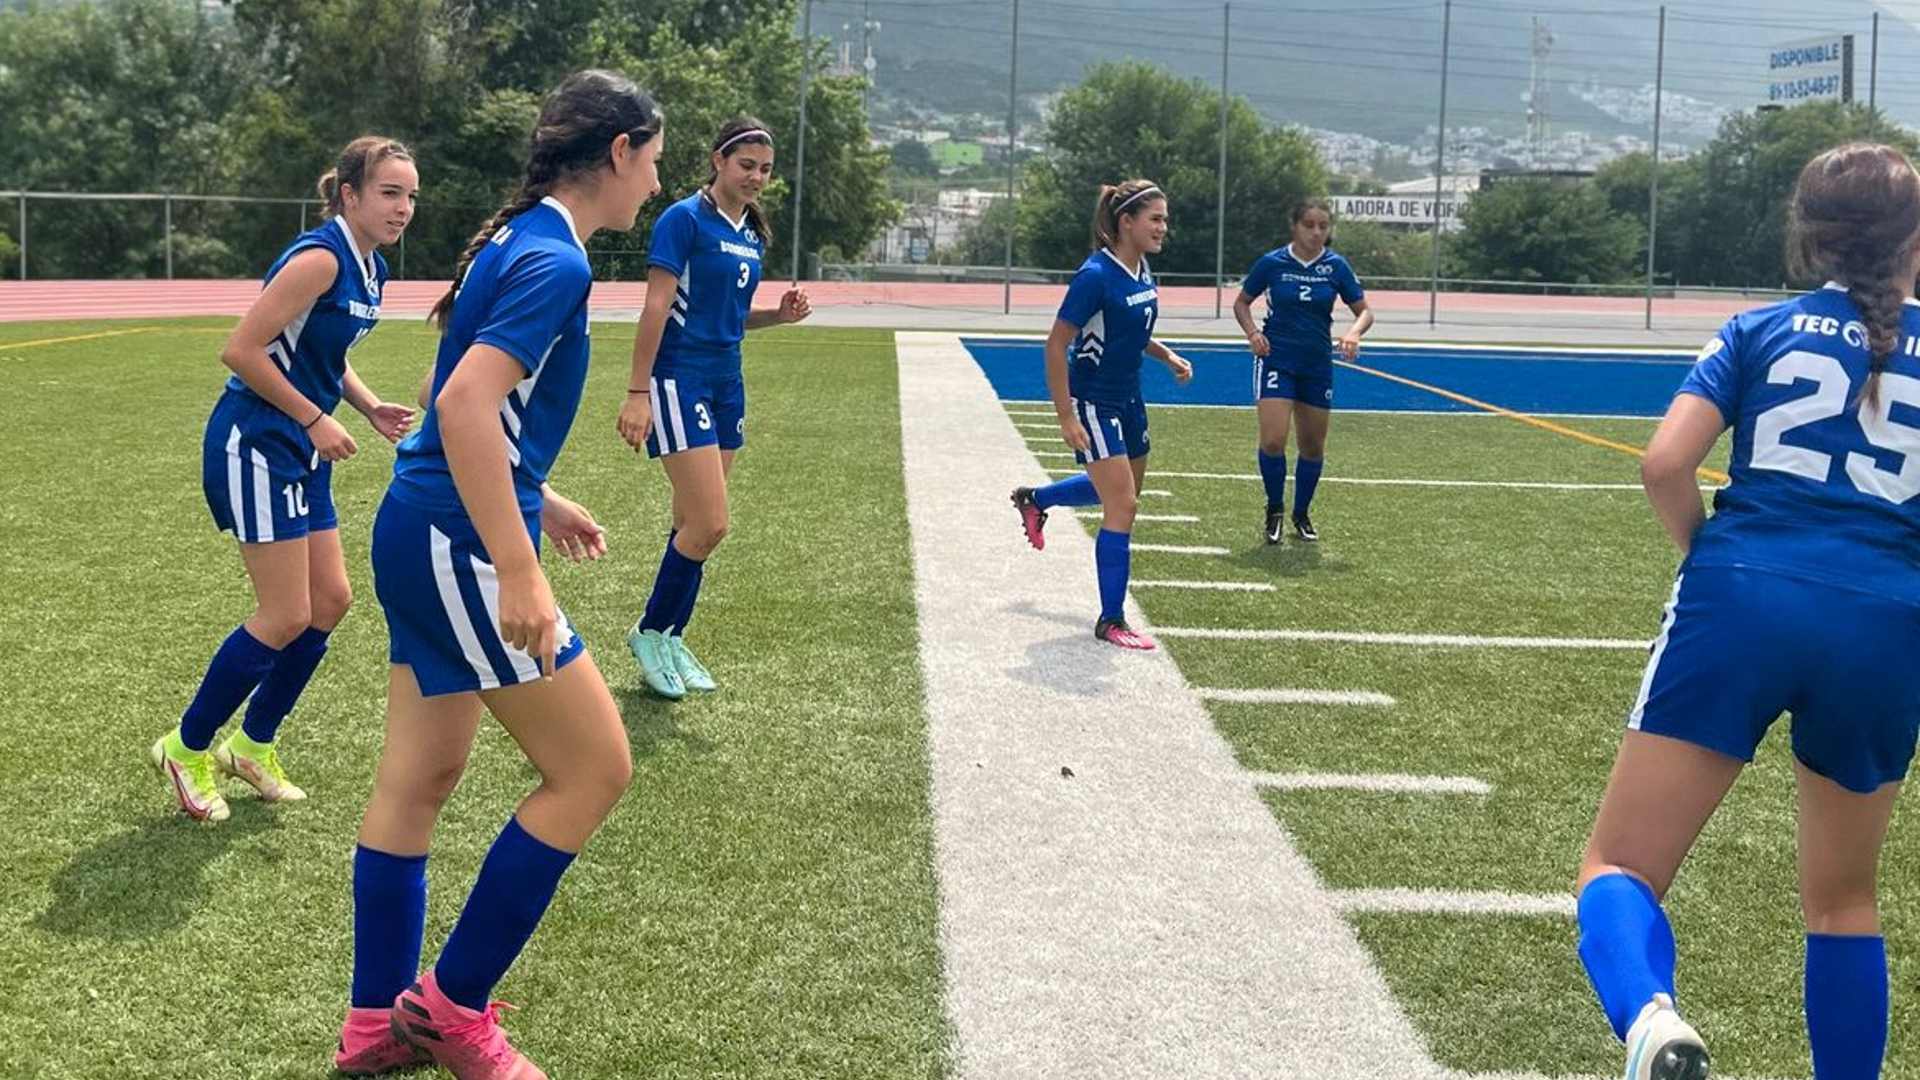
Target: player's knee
700, 535
1118, 513
277, 626
1848, 905
1313, 447
329, 605
1273, 445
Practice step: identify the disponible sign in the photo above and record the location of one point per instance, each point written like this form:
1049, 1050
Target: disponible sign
1816, 69
1398, 209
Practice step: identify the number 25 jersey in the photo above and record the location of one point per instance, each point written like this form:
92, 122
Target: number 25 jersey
1823, 482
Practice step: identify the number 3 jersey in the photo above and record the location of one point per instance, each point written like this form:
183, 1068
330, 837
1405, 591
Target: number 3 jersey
1823, 481
717, 262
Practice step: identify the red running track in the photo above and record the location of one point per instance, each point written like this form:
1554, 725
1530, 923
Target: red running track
147, 299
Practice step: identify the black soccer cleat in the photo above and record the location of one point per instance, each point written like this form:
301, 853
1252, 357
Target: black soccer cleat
1276, 521
1303, 528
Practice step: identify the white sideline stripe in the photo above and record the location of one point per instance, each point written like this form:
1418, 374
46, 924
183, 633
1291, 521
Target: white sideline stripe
1539, 485
1216, 586
1608, 352
1399, 412
1364, 637
1450, 902
1095, 515
1297, 697
1156, 491
1148, 884
1037, 427
1053, 453
1182, 549
1393, 783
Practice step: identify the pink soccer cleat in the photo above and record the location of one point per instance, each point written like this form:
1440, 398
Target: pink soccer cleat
468, 1043
1033, 520
1117, 632
368, 1046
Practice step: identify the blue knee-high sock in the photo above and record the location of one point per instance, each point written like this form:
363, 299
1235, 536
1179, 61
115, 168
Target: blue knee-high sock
1273, 474
237, 667
515, 886
389, 915
677, 574
1306, 477
1073, 491
1112, 558
282, 687
1627, 946
1847, 1005
685, 613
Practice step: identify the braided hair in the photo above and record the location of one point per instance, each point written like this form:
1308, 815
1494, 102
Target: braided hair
1855, 218
578, 122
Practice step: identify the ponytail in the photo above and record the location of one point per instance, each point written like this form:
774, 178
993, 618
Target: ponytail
524, 200
358, 159
1115, 200
742, 131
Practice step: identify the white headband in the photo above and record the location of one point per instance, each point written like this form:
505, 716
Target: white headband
1136, 196
748, 134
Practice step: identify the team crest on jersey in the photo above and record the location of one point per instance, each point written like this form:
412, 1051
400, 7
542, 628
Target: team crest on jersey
1323, 269
752, 237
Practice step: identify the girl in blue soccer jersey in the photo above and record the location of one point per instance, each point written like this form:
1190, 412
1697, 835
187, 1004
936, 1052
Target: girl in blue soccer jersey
1293, 366
686, 402
471, 620
1800, 594
267, 469
1103, 330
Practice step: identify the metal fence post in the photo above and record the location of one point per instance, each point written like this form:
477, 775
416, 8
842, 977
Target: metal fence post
23, 236
800, 140
1653, 170
1013, 126
1439, 165
1220, 205
167, 217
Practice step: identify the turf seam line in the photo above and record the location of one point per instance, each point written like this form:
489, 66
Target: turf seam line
1388, 783
1283, 696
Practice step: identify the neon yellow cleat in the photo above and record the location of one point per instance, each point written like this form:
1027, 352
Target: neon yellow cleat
190, 774
259, 765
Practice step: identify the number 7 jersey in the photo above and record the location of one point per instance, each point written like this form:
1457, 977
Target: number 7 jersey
1823, 481
717, 262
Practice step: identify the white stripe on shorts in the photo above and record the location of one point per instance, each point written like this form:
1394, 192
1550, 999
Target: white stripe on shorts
456, 610
262, 498
234, 498
1091, 418
658, 434
488, 579
673, 413
1653, 660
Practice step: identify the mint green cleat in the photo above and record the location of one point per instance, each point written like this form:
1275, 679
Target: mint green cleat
656, 658
693, 674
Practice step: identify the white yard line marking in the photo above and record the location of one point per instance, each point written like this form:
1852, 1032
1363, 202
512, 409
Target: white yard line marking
1373, 481
1365, 637
1182, 549
1055, 428
1150, 883
1156, 491
1297, 697
1394, 412
1215, 586
1450, 902
1095, 515
1028, 412
1392, 783
1673, 355
1053, 453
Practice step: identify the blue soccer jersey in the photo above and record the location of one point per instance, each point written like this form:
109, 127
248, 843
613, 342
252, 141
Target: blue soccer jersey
1115, 309
526, 295
717, 262
1823, 483
1300, 295
312, 349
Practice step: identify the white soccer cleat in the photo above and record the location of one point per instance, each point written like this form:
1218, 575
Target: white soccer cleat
1661, 1046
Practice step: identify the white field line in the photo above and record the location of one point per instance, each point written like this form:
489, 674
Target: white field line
1391, 783
1383, 481
1609, 352
1395, 412
1213, 586
1366, 637
1147, 885
1095, 515
1297, 697
1053, 453
1055, 428
1450, 902
1157, 491
1183, 549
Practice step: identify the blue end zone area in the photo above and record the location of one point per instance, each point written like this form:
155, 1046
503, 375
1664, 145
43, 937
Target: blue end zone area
1575, 383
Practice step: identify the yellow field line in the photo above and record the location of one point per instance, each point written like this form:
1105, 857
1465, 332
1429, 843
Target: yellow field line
1534, 421
6, 345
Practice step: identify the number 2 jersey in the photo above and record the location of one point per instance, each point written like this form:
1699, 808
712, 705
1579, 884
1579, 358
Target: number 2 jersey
1115, 309
1823, 482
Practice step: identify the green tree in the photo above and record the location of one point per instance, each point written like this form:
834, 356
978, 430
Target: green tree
1729, 203
912, 157
1133, 119
1383, 251
1544, 230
